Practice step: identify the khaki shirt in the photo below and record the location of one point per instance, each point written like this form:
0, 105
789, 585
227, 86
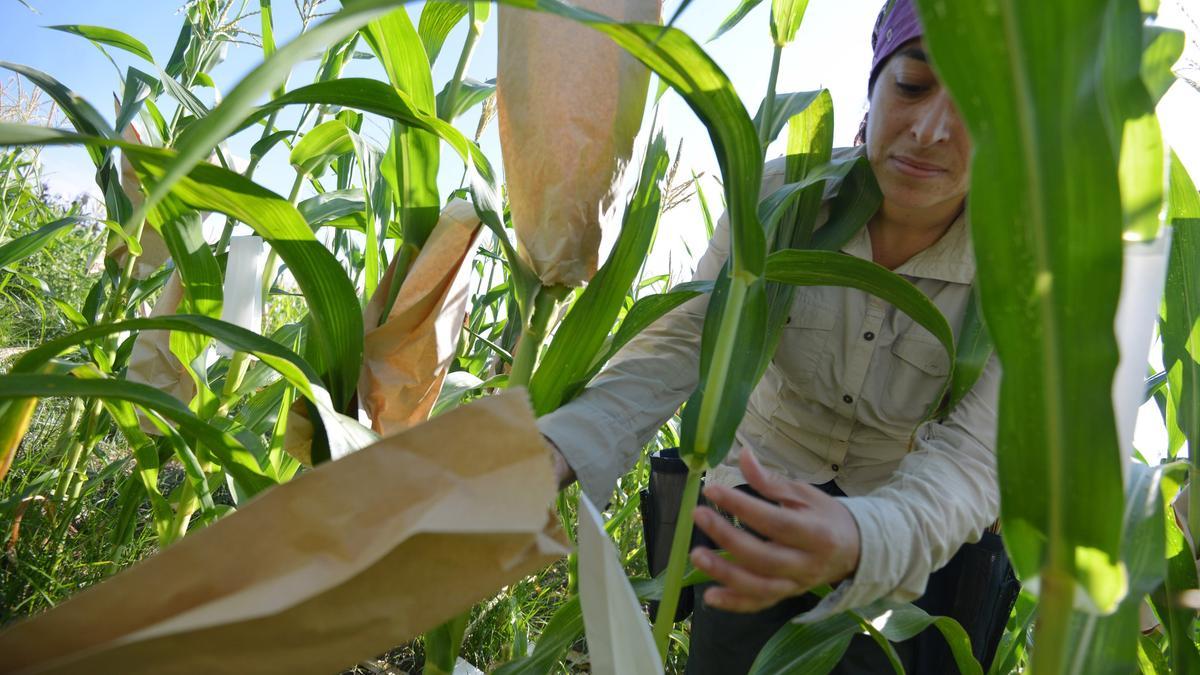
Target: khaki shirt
851, 380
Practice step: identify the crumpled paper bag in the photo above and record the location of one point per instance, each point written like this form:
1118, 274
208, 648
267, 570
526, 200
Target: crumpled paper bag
154, 247
570, 103
406, 359
151, 361
342, 563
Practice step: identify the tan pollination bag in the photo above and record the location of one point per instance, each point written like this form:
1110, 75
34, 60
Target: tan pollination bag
406, 358
343, 563
570, 103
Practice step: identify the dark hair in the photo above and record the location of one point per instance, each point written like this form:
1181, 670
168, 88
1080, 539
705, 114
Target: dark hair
861, 138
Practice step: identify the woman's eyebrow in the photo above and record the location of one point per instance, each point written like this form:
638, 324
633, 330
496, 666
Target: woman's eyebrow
915, 53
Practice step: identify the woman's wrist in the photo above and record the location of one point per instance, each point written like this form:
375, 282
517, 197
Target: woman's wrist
564, 475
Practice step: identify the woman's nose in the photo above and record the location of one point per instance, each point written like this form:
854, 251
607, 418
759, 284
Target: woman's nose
935, 120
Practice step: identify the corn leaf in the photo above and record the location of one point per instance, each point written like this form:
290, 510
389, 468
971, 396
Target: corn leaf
581, 335
330, 206
786, 107
1023, 74
233, 457
566, 627
858, 198
24, 246
823, 268
1108, 644
735, 17
898, 622
974, 349
563, 630
731, 349
618, 637
381, 99
109, 36
1163, 47
1178, 619
791, 212
195, 144
81, 114
145, 455
1181, 308
321, 146
333, 348
438, 18
86, 120
644, 312
411, 165
471, 92
786, 16
809, 648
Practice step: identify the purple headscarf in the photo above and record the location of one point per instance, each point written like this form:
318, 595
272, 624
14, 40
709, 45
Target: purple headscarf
897, 23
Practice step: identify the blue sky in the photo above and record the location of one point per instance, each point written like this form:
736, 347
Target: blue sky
832, 51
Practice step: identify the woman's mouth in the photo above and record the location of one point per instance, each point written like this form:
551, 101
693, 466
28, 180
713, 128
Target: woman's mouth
915, 168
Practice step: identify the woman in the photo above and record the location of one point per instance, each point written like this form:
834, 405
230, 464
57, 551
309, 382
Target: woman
841, 499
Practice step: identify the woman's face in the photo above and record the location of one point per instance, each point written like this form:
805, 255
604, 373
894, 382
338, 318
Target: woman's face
916, 141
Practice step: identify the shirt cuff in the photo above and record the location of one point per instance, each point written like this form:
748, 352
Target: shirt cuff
876, 576
598, 448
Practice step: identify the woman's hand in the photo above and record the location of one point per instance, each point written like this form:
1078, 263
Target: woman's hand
812, 540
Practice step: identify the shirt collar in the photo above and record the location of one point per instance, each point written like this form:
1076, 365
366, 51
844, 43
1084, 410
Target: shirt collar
950, 259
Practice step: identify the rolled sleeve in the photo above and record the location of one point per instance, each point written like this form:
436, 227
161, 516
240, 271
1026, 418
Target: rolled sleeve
943, 494
601, 432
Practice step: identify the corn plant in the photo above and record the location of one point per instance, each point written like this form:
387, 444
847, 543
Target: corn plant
1089, 166
376, 210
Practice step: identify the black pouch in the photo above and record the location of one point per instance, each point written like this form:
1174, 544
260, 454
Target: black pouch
977, 588
660, 511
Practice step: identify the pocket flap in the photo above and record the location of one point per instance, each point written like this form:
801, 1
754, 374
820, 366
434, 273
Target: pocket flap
926, 356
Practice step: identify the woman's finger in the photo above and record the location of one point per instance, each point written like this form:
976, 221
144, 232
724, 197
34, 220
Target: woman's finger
731, 601
761, 557
773, 486
765, 518
738, 578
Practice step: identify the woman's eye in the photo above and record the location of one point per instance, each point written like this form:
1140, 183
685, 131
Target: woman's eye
910, 88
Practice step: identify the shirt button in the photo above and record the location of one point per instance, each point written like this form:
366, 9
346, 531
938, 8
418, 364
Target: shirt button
868, 336
835, 467
848, 398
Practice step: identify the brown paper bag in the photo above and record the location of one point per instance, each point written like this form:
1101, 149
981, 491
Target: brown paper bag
406, 358
570, 103
342, 563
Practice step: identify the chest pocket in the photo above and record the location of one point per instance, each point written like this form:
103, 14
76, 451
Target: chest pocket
804, 340
918, 372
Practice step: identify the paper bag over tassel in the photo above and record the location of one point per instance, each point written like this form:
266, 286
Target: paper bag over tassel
152, 362
154, 248
343, 563
406, 358
570, 103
